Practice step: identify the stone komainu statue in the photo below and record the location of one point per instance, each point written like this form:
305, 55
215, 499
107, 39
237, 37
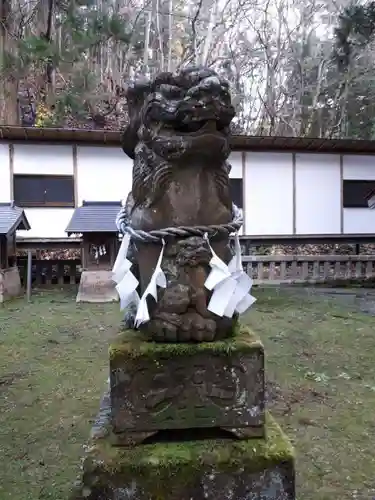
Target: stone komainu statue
178, 137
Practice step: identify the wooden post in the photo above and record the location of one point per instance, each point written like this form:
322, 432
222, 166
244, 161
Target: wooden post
29, 277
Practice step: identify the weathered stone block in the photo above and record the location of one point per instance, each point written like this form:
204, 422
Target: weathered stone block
225, 469
10, 284
157, 386
97, 287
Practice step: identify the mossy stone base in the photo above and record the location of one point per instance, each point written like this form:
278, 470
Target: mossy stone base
156, 386
256, 469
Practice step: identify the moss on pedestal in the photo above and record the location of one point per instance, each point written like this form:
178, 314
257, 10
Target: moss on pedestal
132, 344
187, 385
165, 470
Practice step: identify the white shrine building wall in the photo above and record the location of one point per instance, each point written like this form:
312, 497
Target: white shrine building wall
281, 193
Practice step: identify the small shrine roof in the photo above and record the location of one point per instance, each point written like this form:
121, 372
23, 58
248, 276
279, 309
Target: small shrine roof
12, 218
94, 217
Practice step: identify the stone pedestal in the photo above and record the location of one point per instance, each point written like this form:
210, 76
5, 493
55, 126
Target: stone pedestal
10, 284
186, 421
210, 469
157, 386
97, 287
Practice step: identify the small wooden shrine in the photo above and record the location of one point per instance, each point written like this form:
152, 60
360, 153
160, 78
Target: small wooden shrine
11, 219
95, 221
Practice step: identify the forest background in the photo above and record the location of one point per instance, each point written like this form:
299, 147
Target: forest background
296, 68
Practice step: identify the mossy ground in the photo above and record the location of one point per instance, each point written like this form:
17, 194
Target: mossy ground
320, 368
158, 466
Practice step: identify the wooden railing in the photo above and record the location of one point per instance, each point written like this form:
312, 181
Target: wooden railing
278, 269
264, 269
51, 272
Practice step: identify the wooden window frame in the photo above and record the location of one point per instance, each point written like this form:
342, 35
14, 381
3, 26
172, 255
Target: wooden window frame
240, 180
48, 204
362, 204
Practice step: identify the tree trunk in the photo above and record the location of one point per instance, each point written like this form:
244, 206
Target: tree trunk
9, 112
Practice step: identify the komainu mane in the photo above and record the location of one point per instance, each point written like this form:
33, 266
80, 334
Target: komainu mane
178, 137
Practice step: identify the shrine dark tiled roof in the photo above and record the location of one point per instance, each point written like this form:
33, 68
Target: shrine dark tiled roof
12, 218
94, 217
238, 142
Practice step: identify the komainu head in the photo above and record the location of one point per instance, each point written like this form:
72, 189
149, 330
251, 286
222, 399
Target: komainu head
179, 116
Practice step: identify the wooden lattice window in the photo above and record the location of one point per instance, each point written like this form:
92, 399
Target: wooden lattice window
43, 190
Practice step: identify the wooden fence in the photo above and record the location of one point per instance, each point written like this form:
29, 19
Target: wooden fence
278, 269
264, 269
51, 272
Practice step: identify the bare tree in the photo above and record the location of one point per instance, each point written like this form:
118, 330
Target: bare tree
275, 54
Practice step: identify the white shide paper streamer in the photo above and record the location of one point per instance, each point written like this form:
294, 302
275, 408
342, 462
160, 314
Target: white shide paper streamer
229, 283
121, 274
127, 283
158, 278
98, 251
